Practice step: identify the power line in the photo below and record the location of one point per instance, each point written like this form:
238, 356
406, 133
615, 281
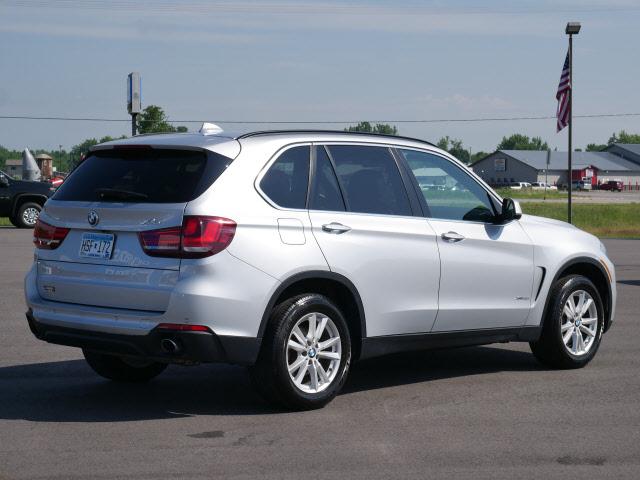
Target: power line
321, 122
303, 8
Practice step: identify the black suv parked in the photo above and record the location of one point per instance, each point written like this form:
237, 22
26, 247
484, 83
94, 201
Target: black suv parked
22, 200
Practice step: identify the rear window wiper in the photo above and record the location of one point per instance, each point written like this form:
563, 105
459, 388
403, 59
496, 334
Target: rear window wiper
115, 194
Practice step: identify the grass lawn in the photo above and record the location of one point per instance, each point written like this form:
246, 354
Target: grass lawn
4, 221
529, 193
603, 220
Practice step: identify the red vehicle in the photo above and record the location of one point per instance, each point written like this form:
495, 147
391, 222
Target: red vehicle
612, 185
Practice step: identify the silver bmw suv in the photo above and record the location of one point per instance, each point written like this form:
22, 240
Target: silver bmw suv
296, 253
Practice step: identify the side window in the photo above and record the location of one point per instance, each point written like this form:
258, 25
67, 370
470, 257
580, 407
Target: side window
285, 183
326, 192
450, 193
370, 180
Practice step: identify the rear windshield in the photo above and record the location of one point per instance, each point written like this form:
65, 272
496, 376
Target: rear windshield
143, 176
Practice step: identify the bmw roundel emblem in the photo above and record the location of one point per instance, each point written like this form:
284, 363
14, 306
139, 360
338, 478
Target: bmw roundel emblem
93, 218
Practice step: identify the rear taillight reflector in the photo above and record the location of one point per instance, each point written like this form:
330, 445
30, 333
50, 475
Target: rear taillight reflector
181, 327
198, 237
48, 237
161, 243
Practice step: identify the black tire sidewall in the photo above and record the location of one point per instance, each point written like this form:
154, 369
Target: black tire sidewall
570, 285
304, 305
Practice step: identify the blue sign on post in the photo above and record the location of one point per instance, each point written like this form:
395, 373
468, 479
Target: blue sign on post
134, 93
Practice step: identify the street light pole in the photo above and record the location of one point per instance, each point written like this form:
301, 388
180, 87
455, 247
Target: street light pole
573, 28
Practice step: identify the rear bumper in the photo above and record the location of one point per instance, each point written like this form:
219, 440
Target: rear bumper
193, 347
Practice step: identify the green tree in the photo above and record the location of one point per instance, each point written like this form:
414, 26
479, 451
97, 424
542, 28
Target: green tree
595, 147
624, 137
518, 141
153, 120
383, 128
455, 147
478, 156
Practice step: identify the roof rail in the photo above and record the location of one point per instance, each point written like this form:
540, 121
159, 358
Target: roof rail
343, 132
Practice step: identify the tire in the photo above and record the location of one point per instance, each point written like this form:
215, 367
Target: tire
122, 370
25, 217
14, 222
551, 349
270, 375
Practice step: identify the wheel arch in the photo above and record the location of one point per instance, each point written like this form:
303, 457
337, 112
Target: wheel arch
336, 287
27, 197
592, 269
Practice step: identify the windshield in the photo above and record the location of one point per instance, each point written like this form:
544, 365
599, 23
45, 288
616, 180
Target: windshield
143, 176
6, 175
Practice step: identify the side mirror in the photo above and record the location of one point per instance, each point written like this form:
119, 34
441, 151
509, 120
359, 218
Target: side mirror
4, 181
511, 210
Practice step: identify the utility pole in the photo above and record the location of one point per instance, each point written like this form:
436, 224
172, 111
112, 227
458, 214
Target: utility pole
546, 173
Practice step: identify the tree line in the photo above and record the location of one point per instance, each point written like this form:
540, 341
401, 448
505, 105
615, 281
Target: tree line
153, 119
516, 141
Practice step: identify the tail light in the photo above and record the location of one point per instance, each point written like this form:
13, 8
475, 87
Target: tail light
198, 237
48, 237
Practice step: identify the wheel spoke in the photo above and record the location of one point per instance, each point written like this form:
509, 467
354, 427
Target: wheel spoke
567, 337
299, 335
580, 341
581, 299
313, 373
328, 343
321, 371
311, 333
295, 346
589, 321
567, 311
585, 307
566, 326
320, 329
584, 329
572, 306
330, 355
295, 365
574, 341
301, 372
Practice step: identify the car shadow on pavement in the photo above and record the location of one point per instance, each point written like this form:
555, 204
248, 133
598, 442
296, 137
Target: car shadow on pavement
68, 391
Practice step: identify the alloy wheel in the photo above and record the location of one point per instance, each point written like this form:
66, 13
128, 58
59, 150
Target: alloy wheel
579, 325
30, 216
314, 350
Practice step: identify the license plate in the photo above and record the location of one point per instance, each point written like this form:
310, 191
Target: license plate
96, 245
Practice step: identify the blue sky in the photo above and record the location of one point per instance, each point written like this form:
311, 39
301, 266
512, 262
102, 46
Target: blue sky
326, 60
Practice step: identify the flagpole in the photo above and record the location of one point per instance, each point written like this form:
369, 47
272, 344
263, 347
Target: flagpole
572, 29
569, 159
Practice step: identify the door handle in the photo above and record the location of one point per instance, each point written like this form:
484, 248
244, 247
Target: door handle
452, 237
336, 228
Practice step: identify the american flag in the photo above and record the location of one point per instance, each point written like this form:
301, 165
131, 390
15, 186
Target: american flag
564, 87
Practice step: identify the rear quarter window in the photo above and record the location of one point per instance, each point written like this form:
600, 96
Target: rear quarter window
286, 181
143, 176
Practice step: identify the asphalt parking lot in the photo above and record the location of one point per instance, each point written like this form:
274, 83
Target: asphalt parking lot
483, 412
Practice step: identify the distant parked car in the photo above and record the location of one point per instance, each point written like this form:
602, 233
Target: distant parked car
576, 185
519, 185
613, 185
580, 185
542, 186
